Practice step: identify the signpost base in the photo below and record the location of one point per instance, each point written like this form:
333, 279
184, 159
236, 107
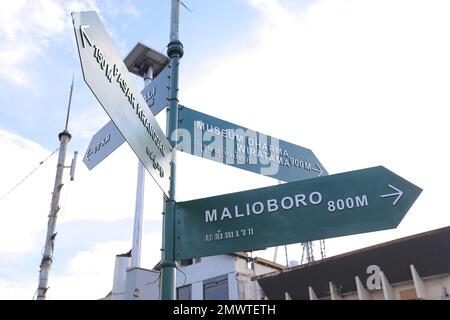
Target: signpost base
168, 264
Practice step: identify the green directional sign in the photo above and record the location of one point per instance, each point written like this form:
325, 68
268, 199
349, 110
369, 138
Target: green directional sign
228, 143
337, 205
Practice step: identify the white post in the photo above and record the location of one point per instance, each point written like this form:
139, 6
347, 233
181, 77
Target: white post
287, 296
138, 217
421, 290
333, 292
362, 292
120, 275
312, 294
139, 207
275, 254
148, 77
388, 291
232, 286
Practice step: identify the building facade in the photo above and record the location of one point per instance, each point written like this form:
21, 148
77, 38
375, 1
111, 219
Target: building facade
415, 267
221, 277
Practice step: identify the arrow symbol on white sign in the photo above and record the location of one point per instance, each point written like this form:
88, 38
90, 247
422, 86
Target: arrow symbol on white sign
399, 194
84, 35
317, 170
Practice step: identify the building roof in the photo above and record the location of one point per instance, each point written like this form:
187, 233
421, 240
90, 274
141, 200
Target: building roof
127, 254
259, 260
245, 256
429, 252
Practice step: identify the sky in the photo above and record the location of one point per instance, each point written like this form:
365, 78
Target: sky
360, 83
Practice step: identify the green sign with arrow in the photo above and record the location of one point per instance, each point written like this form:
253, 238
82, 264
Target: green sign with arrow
225, 142
331, 206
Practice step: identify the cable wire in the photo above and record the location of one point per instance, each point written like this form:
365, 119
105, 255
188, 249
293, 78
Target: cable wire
35, 293
185, 6
184, 274
28, 175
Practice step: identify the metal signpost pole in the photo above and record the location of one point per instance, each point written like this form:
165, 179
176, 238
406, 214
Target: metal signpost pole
168, 265
137, 231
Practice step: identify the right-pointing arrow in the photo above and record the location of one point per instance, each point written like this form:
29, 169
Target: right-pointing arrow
317, 170
336, 205
399, 194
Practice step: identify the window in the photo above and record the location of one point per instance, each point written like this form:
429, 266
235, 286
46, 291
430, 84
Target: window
216, 288
185, 262
184, 293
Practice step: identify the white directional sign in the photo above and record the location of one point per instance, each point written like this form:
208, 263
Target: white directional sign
156, 94
108, 138
109, 80
103, 143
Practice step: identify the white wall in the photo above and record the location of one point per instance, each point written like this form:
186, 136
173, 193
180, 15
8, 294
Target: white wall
214, 266
142, 284
434, 286
252, 289
120, 276
209, 267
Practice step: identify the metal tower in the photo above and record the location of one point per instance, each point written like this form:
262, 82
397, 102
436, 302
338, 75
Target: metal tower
47, 258
308, 251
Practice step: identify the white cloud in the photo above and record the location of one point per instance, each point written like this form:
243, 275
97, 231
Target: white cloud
361, 83
115, 8
89, 274
28, 27
106, 193
24, 210
86, 123
351, 80
132, 10
17, 290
